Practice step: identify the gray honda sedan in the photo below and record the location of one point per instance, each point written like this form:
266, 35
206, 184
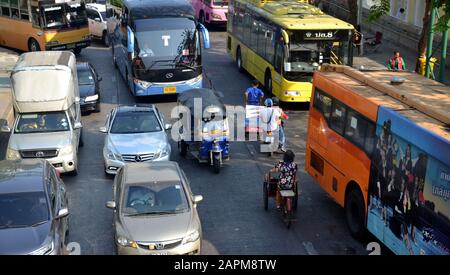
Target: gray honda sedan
33, 208
155, 210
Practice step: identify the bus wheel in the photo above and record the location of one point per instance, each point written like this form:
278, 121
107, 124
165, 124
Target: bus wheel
354, 212
268, 84
239, 60
33, 45
77, 51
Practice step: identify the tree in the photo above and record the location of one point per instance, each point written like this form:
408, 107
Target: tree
382, 7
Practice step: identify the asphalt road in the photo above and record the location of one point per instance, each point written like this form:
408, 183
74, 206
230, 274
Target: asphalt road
232, 214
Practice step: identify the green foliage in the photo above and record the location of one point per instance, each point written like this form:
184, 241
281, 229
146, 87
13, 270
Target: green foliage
444, 20
376, 11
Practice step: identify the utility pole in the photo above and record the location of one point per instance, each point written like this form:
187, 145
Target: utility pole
443, 61
430, 39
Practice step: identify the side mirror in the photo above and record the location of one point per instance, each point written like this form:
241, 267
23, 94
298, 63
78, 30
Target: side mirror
111, 204
130, 46
5, 129
99, 78
63, 212
77, 125
103, 129
198, 198
97, 19
168, 126
287, 67
205, 34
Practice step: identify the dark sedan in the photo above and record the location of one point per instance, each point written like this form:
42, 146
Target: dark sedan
88, 83
33, 208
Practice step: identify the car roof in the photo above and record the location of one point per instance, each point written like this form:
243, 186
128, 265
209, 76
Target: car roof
151, 172
134, 108
98, 7
24, 175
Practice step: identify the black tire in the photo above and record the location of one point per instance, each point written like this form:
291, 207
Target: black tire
216, 164
77, 51
295, 201
355, 214
265, 196
201, 18
105, 39
183, 148
268, 85
97, 108
81, 142
33, 45
239, 60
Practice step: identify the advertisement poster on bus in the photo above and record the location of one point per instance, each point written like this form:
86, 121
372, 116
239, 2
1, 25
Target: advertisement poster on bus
409, 188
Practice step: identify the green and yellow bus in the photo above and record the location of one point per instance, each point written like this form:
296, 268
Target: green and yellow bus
282, 43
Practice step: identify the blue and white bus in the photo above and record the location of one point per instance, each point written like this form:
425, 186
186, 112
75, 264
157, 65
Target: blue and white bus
156, 46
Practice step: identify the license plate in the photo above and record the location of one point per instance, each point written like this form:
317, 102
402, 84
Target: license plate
70, 46
160, 253
168, 90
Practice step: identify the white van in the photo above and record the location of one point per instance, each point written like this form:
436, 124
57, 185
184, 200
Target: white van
46, 102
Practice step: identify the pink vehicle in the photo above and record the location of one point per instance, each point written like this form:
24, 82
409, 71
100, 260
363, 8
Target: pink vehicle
211, 11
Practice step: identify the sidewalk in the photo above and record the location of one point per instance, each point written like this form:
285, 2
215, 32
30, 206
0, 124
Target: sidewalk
380, 58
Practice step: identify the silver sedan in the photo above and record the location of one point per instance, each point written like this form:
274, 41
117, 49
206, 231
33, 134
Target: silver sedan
134, 134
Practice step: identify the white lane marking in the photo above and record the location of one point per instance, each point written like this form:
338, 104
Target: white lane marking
309, 248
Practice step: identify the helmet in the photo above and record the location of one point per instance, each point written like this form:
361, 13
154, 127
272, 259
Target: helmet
268, 102
275, 101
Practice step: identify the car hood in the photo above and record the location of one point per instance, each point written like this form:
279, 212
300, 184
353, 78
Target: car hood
32, 141
138, 143
23, 240
87, 90
157, 228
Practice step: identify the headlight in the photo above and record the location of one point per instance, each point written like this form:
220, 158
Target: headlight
164, 152
143, 84
291, 93
12, 154
67, 150
47, 249
125, 242
194, 80
91, 98
191, 237
216, 16
113, 155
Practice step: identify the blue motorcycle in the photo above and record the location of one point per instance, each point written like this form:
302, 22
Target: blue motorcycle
206, 137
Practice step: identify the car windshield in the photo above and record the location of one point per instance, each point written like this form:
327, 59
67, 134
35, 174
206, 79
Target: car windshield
85, 77
64, 15
154, 198
135, 122
42, 122
222, 3
23, 209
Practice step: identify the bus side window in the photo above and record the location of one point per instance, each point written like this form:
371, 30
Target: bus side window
35, 16
356, 128
322, 103
24, 10
5, 11
369, 143
278, 63
337, 119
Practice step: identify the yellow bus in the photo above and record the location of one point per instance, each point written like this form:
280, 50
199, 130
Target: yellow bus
281, 44
34, 25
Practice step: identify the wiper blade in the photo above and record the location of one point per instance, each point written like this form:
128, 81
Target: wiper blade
152, 213
38, 223
4, 226
159, 61
187, 66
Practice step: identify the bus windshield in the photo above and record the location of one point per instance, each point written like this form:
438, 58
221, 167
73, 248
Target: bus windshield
221, 3
166, 41
64, 15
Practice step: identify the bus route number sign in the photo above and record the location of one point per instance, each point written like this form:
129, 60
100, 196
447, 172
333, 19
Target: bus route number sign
319, 35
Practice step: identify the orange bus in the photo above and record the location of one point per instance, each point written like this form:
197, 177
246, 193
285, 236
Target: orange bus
378, 142
34, 25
